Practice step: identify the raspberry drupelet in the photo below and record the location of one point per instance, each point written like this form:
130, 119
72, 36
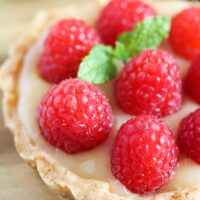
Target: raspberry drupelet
145, 154
150, 84
66, 44
121, 16
192, 83
189, 136
74, 116
185, 33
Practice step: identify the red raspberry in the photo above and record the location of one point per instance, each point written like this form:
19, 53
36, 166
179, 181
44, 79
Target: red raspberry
185, 33
189, 136
74, 116
67, 42
192, 83
145, 154
121, 16
150, 84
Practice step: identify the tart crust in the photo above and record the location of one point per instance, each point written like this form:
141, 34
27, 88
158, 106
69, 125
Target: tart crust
59, 179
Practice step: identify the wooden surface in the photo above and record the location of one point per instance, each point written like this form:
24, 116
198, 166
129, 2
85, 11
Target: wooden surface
17, 180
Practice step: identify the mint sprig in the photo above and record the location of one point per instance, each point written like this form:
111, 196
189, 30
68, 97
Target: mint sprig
146, 35
98, 67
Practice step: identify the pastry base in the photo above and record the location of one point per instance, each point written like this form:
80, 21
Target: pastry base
59, 179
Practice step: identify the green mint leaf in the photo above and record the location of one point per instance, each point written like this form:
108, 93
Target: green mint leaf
120, 51
146, 35
98, 67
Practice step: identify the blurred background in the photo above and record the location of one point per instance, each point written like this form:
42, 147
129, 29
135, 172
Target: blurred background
15, 17
17, 180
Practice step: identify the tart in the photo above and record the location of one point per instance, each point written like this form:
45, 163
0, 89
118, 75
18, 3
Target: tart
85, 175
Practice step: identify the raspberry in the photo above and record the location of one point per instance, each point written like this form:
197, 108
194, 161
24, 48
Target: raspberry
74, 116
184, 35
121, 16
67, 42
189, 136
192, 83
150, 84
145, 154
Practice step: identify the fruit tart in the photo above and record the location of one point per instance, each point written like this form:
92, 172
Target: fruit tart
102, 98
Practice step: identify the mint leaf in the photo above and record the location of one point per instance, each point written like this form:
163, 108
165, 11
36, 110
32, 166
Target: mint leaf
146, 35
98, 67
120, 51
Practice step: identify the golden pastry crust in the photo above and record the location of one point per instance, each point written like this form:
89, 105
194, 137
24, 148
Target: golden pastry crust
59, 179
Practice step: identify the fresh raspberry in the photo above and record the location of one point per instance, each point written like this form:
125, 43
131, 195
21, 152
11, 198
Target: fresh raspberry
121, 16
145, 154
192, 83
74, 116
67, 42
185, 33
189, 136
150, 84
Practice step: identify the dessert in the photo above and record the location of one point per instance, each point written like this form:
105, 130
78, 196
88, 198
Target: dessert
85, 175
